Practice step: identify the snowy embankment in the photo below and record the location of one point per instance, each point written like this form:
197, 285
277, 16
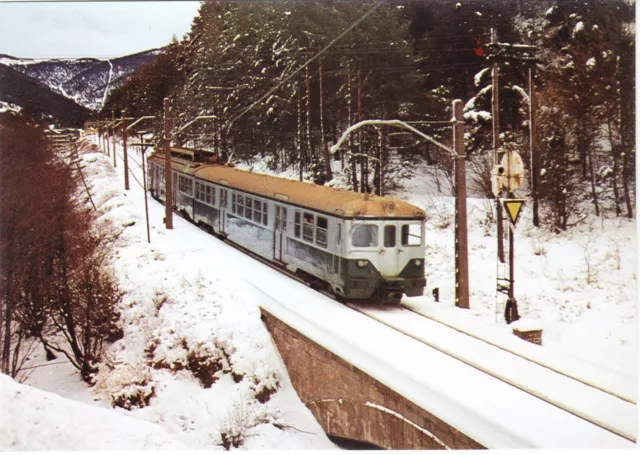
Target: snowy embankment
189, 319
34, 420
195, 358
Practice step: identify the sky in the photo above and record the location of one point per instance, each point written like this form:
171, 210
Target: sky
91, 29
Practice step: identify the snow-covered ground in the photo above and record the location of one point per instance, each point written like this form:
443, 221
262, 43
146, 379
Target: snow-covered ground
184, 305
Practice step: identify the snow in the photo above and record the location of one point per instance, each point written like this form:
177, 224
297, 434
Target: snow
477, 78
34, 420
182, 301
579, 27
591, 63
9, 107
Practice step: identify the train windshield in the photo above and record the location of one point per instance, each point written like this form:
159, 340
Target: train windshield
365, 235
411, 234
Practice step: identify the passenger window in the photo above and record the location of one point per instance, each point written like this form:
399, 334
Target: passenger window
240, 207
307, 227
248, 203
321, 231
297, 225
365, 235
411, 234
389, 236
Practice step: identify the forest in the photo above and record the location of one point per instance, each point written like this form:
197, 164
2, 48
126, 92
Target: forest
275, 84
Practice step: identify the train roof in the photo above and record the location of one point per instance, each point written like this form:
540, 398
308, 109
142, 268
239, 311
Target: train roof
339, 202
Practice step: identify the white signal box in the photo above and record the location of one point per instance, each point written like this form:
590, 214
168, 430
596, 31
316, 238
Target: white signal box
496, 179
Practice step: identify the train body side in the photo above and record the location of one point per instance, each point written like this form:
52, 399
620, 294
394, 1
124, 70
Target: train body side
357, 257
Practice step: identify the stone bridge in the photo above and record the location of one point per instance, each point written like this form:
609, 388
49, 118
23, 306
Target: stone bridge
352, 405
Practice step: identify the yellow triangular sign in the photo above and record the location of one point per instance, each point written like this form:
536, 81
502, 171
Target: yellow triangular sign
513, 206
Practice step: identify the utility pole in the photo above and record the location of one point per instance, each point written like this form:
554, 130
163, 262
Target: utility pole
106, 138
495, 116
533, 145
168, 196
462, 250
113, 136
124, 148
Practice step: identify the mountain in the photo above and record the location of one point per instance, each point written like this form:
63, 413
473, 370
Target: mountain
34, 97
84, 80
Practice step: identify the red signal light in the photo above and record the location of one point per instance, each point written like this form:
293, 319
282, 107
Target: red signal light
479, 50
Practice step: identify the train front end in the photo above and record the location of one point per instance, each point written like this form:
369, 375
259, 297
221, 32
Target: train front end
385, 258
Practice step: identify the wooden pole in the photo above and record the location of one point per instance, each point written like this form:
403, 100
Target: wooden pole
495, 116
323, 139
533, 146
168, 196
113, 138
124, 149
144, 183
461, 243
363, 184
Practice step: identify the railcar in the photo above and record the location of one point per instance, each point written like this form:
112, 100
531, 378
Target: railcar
357, 246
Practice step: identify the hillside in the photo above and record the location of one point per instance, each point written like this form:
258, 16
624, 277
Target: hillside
34, 97
84, 80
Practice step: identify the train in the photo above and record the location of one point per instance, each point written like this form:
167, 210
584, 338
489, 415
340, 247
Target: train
358, 247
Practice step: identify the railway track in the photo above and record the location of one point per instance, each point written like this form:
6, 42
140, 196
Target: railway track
530, 358
594, 405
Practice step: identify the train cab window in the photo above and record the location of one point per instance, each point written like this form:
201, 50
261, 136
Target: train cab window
389, 236
411, 234
307, 226
322, 225
296, 230
365, 235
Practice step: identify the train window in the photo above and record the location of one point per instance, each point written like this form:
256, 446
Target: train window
248, 205
365, 235
389, 236
184, 185
234, 205
223, 198
210, 195
339, 239
321, 231
307, 226
240, 206
297, 225
411, 234
260, 212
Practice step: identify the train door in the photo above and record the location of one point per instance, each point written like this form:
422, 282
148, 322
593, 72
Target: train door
389, 253
279, 230
222, 219
401, 241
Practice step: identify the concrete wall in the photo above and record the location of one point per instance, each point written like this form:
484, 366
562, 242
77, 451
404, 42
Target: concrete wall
351, 404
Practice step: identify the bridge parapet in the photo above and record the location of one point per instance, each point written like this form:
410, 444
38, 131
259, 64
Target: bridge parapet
350, 404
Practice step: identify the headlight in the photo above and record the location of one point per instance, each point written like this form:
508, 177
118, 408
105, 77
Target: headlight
417, 262
361, 264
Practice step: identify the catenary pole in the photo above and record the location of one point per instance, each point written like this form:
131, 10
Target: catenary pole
124, 149
495, 117
462, 250
168, 196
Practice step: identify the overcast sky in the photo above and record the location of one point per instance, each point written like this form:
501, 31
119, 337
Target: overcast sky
91, 29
